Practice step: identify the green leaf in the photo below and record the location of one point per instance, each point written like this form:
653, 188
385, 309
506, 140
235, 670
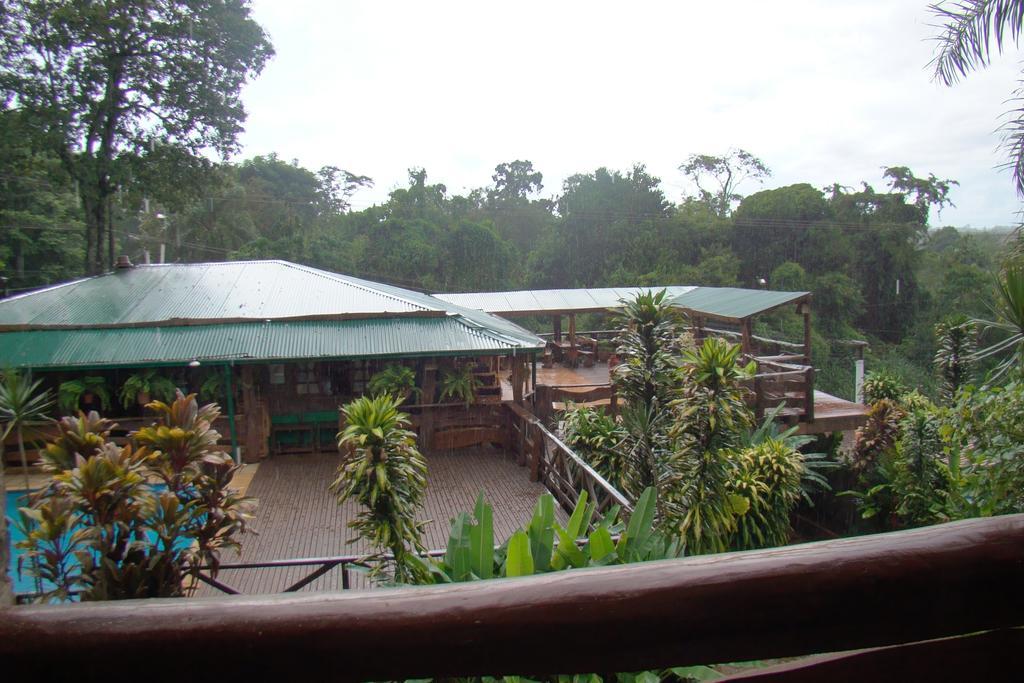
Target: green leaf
542, 533
696, 673
634, 540
481, 540
738, 504
457, 555
519, 561
567, 551
601, 544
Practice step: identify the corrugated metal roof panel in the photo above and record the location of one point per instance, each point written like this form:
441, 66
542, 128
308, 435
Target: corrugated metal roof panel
366, 338
251, 290
551, 300
734, 303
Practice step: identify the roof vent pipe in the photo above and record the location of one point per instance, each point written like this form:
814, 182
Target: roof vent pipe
123, 263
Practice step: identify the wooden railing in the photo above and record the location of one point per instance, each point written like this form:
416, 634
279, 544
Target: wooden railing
878, 604
555, 465
779, 382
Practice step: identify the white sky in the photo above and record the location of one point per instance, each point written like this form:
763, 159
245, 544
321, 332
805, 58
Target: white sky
822, 90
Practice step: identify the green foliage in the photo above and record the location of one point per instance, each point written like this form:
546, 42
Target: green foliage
397, 380
646, 380
88, 532
214, 387
459, 383
769, 475
596, 437
983, 437
879, 433
921, 482
386, 475
710, 418
148, 382
953, 361
545, 545
881, 385
69, 393
102, 82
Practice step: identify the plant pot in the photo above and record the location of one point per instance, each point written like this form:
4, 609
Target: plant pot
142, 398
87, 401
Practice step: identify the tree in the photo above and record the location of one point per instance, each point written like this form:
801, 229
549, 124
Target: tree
515, 180
971, 28
727, 172
102, 79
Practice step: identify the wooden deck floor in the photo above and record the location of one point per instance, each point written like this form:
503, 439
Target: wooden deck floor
297, 516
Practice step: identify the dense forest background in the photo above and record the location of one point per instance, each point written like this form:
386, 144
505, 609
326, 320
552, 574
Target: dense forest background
879, 266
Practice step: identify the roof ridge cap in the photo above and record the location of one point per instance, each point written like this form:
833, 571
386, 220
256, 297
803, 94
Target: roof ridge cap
349, 280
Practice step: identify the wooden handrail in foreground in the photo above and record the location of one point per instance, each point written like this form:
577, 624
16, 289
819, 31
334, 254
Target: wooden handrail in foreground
830, 596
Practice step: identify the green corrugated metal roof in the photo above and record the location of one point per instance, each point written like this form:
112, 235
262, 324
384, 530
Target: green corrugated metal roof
241, 342
733, 303
730, 303
540, 301
239, 290
255, 310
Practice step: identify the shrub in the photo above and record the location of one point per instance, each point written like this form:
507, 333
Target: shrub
134, 521
386, 475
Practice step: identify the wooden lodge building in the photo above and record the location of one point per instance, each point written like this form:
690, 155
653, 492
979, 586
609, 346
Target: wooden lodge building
295, 342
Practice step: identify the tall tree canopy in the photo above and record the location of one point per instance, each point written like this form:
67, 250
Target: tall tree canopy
727, 172
106, 78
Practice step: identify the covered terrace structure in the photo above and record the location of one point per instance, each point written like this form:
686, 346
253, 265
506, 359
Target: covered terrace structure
785, 372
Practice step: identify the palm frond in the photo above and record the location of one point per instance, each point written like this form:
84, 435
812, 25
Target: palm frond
971, 29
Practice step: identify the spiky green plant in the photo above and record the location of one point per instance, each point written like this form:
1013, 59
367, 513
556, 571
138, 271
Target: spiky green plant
22, 405
386, 476
646, 383
1008, 321
648, 333
711, 417
953, 362
774, 472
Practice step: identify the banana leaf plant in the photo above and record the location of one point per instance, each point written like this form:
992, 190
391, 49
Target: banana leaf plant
547, 546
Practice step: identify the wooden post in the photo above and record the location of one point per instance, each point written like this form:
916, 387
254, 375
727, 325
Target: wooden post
556, 326
535, 453
805, 309
746, 341
573, 355
255, 440
518, 379
809, 395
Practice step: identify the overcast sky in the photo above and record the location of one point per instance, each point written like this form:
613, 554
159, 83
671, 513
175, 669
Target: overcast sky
822, 91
